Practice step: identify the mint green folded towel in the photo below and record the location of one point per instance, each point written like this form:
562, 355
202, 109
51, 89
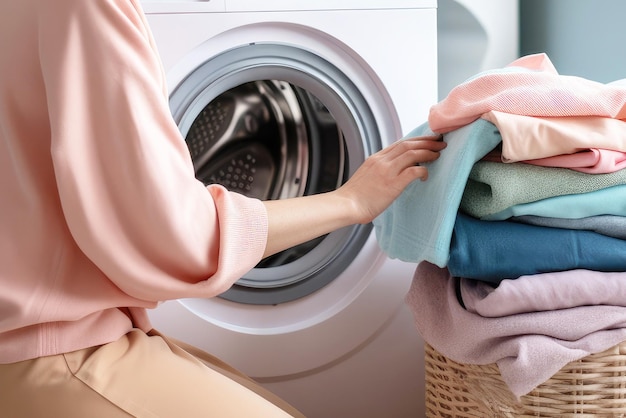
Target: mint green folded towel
493, 187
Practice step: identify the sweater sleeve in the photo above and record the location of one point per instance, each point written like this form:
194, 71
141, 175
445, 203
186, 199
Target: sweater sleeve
125, 178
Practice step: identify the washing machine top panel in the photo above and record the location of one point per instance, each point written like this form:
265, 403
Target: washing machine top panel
405, 71
183, 6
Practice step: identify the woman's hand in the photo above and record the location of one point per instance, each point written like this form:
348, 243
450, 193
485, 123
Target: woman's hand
385, 174
370, 190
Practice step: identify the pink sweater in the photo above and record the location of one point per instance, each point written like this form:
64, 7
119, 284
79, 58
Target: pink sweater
101, 214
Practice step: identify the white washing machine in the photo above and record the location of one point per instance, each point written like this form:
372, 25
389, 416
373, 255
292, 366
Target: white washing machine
285, 98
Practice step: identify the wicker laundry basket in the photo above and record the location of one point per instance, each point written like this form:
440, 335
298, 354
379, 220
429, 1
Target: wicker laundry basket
593, 386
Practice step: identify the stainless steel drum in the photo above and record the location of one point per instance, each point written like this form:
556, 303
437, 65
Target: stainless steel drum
253, 140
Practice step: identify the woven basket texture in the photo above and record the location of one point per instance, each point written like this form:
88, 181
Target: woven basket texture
594, 386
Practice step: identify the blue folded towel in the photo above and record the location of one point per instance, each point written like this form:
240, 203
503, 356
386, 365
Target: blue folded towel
496, 250
418, 225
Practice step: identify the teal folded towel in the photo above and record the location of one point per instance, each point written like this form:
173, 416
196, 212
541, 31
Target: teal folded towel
418, 225
609, 201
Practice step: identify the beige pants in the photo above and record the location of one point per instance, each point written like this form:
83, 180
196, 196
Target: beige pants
137, 376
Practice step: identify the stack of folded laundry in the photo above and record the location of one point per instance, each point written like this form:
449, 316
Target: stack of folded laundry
520, 231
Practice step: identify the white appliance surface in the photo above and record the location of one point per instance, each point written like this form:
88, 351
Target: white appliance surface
474, 36
350, 348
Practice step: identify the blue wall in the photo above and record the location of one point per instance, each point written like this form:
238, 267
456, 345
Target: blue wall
585, 38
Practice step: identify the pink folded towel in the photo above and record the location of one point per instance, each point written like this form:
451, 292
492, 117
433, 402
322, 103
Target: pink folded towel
528, 86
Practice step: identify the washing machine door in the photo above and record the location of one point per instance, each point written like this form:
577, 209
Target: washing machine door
273, 121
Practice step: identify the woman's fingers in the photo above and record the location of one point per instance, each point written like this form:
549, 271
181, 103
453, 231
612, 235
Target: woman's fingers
412, 173
412, 146
408, 153
383, 176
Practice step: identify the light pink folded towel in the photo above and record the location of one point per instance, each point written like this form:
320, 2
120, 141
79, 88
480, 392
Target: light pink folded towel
528, 86
591, 161
527, 347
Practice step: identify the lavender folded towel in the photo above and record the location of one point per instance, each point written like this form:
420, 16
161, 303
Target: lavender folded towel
528, 348
544, 292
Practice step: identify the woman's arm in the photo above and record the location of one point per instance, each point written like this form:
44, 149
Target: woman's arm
372, 188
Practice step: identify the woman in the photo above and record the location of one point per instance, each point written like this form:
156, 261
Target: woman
102, 218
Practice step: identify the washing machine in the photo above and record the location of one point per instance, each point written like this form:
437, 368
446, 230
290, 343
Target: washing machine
278, 99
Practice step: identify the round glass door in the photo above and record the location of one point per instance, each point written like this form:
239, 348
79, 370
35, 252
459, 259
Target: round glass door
273, 122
